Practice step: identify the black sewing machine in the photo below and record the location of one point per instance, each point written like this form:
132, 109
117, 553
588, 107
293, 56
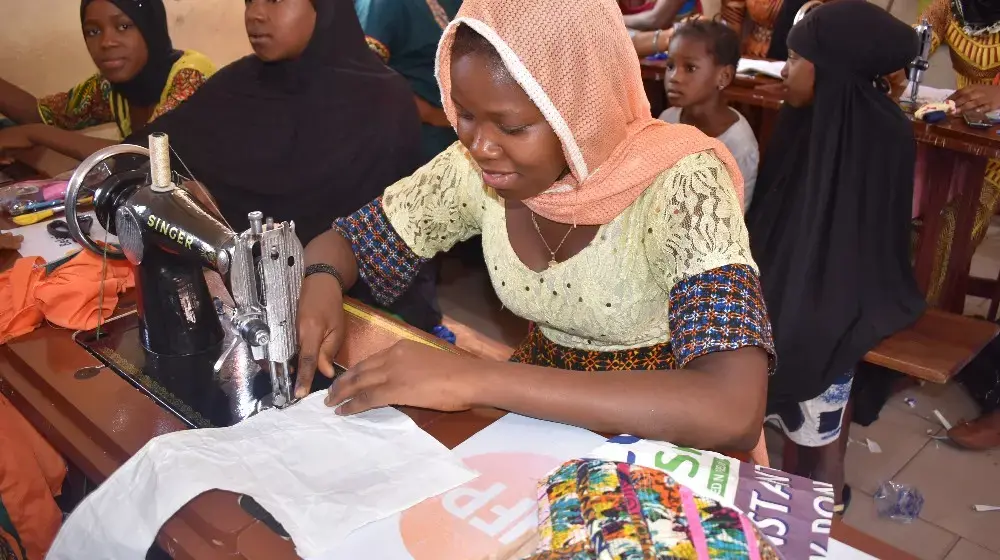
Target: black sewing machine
209, 361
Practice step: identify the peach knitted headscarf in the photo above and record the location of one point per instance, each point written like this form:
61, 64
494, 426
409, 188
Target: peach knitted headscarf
576, 62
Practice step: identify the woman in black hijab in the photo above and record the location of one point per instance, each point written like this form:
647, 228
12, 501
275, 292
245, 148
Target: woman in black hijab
829, 224
312, 125
140, 77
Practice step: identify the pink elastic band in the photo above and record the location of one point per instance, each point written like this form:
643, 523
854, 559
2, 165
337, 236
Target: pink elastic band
751, 534
695, 530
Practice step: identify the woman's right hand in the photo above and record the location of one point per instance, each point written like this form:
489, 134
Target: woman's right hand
320, 328
14, 139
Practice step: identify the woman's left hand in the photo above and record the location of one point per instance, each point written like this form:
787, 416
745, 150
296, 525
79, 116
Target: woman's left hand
977, 97
407, 374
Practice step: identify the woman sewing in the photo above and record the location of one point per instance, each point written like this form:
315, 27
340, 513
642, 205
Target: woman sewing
618, 236
140, 78
311, 124
971, 31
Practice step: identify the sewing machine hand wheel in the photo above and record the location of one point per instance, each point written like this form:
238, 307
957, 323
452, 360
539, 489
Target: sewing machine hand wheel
73, 191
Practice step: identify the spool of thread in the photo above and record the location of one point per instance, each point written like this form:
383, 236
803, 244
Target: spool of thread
159, 162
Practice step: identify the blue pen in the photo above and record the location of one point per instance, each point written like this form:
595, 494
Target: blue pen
36, 206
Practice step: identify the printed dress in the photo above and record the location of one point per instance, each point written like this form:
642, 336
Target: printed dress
669, 280
93, 102
754, 21
975, 56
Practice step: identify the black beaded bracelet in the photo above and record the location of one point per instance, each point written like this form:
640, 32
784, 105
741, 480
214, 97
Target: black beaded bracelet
325, 269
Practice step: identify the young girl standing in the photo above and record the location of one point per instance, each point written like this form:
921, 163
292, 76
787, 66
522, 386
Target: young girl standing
702, 64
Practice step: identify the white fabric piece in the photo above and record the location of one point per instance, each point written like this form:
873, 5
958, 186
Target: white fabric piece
927, 94
320, 475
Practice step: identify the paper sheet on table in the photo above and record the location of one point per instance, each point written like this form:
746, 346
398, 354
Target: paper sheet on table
770, 68
38, 242
485, 515
927, 94
320, 475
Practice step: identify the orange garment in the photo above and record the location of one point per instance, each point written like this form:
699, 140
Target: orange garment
579, 67
68, 297
31, 474
18, 312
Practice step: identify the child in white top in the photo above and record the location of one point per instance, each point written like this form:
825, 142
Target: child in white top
702, 63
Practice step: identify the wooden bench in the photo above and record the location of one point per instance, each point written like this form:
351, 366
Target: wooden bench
936, 347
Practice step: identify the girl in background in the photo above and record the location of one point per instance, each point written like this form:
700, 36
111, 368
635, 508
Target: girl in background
702, 64
140, 78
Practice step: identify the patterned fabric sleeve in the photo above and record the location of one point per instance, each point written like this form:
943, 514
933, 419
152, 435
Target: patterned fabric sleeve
716, 311
84, 106
938, 14
418, 217
385, 263
184, 84
733, 13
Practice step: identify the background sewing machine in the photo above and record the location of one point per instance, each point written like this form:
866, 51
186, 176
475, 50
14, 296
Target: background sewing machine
919, 66
212, 361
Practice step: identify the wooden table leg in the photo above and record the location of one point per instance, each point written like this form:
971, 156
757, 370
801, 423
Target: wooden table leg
933, 168
967, 184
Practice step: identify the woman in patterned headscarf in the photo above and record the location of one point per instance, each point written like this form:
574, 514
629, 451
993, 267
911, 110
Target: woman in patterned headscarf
619, 236
140, 77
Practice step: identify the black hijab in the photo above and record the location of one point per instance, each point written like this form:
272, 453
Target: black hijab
150, 18
830, 220
309, 140
976, 16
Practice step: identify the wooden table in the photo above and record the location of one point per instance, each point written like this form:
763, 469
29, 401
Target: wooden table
97, 423
951, 164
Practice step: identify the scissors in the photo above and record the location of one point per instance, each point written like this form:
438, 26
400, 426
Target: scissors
60, 230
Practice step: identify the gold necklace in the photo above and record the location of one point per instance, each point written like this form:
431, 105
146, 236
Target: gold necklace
552, 254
